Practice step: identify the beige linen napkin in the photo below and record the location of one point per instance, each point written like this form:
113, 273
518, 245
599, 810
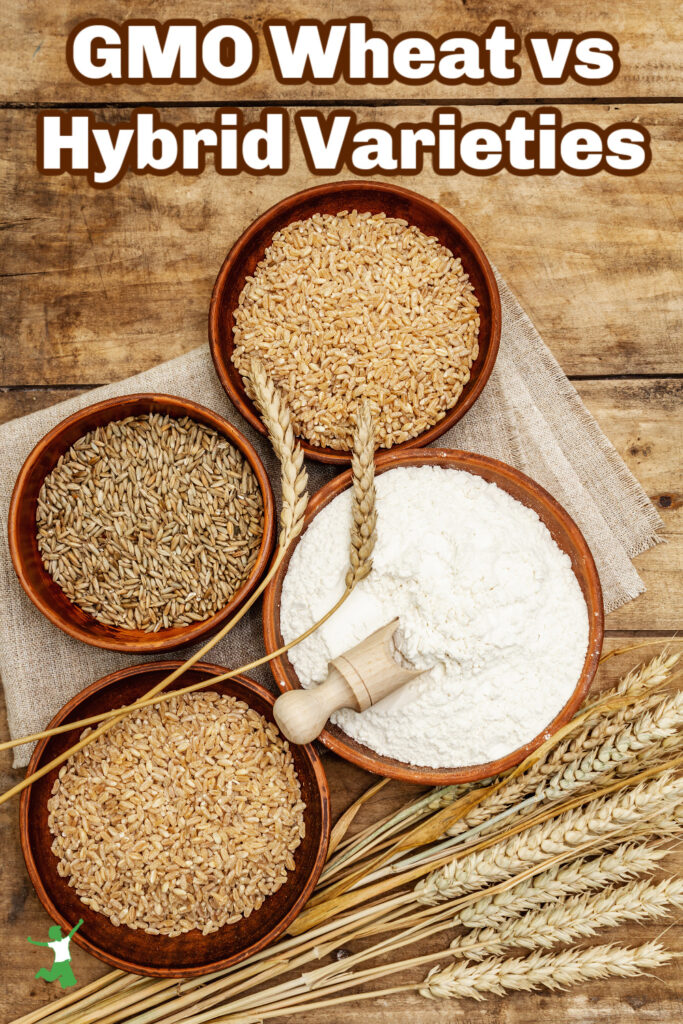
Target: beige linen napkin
528, 415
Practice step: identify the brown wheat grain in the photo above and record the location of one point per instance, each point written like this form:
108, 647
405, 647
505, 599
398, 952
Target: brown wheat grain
150, 522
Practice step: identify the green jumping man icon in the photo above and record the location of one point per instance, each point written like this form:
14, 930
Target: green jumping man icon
61, 968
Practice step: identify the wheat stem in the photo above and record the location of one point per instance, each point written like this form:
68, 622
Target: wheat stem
578, 908
577, 916
97, 989
363, 842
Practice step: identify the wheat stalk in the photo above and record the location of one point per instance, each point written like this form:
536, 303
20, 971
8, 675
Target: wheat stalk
496, 976
498, 924
577, 780
377, 835
576, 916
604, 816
650, 676
493, 976
363, 887
641, 680
101, 988
579, 916
583, 875
544, 882
556, 923
363, 511
648, 729
277, 419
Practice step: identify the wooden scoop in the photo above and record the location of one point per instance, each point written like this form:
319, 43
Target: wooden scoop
357, 679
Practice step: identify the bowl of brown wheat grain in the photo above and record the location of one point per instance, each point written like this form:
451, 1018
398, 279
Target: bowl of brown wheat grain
358, 290
141, 523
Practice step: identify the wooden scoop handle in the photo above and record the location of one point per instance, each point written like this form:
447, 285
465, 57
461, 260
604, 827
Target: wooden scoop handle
357, 679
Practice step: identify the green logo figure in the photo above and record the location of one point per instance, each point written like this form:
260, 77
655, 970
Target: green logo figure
59, 945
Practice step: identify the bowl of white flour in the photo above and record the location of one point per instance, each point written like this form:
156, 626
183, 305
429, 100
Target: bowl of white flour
499, 607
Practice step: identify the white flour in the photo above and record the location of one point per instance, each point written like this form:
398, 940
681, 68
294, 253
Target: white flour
487, 602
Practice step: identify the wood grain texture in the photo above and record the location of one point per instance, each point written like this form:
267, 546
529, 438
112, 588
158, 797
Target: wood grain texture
35, 69
642, 419
98, 285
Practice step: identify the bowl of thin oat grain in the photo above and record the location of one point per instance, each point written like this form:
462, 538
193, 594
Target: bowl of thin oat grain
358, 289
141, 523
188, 837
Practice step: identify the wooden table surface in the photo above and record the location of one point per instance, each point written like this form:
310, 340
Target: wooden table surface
99, 285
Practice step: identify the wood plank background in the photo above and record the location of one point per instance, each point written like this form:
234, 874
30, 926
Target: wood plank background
96, 286
647, 30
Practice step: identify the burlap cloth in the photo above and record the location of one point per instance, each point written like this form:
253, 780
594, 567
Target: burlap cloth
529, 415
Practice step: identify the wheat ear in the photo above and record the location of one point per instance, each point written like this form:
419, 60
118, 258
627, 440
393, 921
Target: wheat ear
645, 678
277, 419
645, 732
575, 917
496, 976
363, 511
625, 862
600, 819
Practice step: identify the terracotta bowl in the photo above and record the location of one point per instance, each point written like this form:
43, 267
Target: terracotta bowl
134, 950
49, 597
376, 197
567, 536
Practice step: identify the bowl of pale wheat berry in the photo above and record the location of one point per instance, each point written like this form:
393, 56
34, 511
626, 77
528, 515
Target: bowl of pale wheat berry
358, 291
188, 836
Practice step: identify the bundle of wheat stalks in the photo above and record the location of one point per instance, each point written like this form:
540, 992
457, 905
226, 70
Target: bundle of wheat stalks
510, 873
